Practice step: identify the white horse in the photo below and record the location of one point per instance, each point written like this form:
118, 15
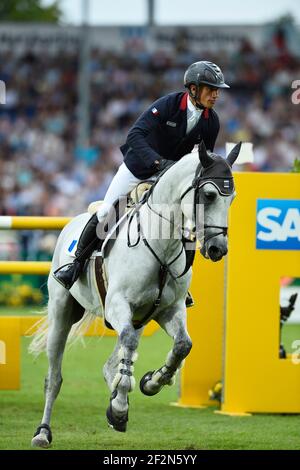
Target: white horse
148, 280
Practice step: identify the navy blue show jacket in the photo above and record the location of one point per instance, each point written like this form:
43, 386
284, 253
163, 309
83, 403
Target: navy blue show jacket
160, 132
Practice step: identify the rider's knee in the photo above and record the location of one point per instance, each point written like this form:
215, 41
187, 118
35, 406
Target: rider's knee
102, 212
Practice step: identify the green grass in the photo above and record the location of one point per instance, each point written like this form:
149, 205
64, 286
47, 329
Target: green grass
79, 422
290, 333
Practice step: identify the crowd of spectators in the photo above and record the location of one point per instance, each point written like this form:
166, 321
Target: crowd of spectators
42, 170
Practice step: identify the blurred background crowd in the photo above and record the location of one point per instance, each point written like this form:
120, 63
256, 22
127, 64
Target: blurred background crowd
45, 172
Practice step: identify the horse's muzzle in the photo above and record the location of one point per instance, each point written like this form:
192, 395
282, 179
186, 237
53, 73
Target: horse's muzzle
214, 251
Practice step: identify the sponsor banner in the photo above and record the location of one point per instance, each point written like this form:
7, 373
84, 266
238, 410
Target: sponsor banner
278, 224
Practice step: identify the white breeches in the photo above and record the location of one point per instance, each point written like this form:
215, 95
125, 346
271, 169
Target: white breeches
123, 182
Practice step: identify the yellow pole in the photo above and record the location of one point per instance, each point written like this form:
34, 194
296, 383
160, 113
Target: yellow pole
25, 267
33, 223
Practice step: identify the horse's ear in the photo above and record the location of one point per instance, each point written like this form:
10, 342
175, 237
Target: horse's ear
234, 154
204, 158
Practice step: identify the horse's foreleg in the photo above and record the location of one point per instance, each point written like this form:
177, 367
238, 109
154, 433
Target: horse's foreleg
175, 326
59, 329
122, 362
110, 368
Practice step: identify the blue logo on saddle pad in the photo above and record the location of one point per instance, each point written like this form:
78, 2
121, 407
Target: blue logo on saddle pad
72, 246
278, 224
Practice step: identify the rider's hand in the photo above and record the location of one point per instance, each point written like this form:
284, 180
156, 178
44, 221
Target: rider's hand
163, 164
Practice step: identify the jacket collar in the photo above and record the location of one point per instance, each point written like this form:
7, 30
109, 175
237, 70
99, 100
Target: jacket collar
183, 106
183, 102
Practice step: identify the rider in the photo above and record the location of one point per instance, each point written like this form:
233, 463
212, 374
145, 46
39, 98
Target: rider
165, 132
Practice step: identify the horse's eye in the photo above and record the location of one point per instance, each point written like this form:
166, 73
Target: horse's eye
210, 196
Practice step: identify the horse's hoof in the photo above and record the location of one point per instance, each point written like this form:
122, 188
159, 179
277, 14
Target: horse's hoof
42, 439
118, 424
115, 422
144, 380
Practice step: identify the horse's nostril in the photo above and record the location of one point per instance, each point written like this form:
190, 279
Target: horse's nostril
216, 253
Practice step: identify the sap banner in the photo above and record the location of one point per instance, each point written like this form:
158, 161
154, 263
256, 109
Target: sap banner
278, 224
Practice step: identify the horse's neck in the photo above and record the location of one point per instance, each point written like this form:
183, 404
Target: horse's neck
171, 185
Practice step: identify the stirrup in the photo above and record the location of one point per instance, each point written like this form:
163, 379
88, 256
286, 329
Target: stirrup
74, 271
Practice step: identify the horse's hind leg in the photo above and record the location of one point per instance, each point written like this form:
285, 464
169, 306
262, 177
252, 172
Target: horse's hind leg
175, 325
63, 311
118, 314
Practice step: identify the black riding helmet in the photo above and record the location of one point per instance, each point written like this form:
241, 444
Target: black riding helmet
204, 73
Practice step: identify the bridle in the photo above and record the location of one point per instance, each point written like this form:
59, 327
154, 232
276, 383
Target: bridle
199, 181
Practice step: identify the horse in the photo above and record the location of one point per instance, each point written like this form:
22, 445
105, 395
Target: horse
148, 276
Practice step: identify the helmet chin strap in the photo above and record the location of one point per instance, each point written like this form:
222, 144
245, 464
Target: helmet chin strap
194, 97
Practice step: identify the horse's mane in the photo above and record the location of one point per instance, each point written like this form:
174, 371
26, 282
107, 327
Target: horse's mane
187, 164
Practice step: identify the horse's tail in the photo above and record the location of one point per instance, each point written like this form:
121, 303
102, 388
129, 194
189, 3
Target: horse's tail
41, 327
39, 332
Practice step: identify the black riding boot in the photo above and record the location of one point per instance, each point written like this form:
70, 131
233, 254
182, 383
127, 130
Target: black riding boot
87, 243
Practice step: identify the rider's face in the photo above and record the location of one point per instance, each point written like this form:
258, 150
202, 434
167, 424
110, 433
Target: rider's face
207, 96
